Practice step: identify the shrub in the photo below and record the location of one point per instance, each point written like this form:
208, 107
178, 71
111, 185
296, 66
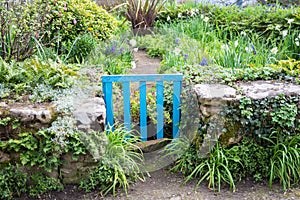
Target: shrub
23, 77
71, 18
21, 26
120, 161
12, 182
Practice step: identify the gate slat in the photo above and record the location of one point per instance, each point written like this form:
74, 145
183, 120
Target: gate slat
107, 88
160, 109
126, 101
143, 111
176, 110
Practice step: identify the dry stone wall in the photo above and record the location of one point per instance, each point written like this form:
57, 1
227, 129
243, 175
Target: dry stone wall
216, 99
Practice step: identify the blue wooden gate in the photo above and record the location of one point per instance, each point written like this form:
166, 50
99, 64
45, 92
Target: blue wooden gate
107, 81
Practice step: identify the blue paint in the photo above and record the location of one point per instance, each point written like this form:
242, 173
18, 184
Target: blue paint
142, 79
143, 111
107, 89
126, 101
176, 110
160, 109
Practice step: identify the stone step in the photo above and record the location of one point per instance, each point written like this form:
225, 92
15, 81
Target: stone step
153, 145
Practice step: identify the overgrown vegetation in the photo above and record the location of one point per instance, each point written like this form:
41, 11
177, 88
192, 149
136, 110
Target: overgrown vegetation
44, 45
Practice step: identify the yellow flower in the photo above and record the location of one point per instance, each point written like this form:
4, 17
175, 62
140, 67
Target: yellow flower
90, 28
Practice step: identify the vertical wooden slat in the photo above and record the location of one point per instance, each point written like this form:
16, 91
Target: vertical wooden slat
126, 101
143, 111
160, 109
107, 88
176, 109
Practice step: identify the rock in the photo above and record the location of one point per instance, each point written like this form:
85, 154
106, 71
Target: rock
263, 89
25, 117
91, 115
4, 158
73, 171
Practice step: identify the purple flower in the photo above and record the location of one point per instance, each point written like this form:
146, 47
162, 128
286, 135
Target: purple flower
204, 62
113, 49
176, 41
121, 50
186, 56
253, 49
74, 21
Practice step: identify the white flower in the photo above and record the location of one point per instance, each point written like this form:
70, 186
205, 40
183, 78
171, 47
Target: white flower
192, 13
179, 15
236, 43
135, 49
201, 16
133, 65
225, 47
177, 51
274, 50
197, 10
290, 21
168, 18
132, 42
297, 43
247, 49
205, 19
284, 33
299, 36
243, 33
277, 27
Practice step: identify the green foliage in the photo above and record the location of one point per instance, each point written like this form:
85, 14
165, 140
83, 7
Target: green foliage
22, 77
81, 48
41, 184
258, 117
120, 161
70, 19
290, 67
21, 25
12, 182
113, 57
232, 19
285, 160
215, 169
142, 14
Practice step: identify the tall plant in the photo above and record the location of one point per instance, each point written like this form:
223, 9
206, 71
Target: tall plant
142, 13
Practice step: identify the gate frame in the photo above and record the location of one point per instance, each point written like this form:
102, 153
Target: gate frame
107, 81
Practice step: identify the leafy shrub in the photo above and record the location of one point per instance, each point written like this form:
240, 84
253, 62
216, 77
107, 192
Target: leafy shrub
120, 162
20, 77
81, 48
42, 184
71, 18
21, 26
12, 182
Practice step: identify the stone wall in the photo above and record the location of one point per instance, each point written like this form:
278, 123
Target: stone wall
18, 118
215, 99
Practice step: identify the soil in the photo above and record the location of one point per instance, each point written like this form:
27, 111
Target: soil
165, 185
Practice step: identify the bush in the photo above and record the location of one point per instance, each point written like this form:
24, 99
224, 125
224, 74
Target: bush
71, 18
23, 77
21, 26
12, 182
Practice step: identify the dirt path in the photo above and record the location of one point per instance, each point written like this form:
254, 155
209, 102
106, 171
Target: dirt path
144, 64
164, 185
